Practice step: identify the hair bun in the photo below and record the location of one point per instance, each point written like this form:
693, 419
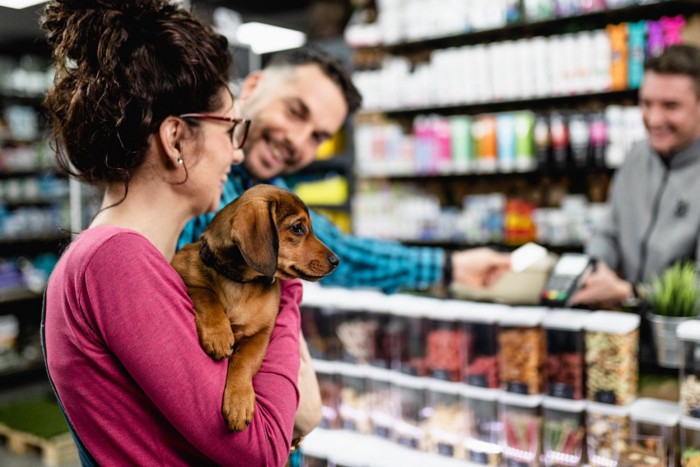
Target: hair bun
85, 31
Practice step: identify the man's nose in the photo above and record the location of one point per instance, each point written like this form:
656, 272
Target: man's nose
301, 141
653, 117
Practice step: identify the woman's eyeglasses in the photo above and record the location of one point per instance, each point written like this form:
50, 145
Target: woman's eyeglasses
239, 130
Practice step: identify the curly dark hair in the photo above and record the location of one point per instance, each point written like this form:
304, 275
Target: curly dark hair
122, 67
331, 67
679, 59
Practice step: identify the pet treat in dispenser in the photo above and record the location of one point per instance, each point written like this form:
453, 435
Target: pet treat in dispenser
607, 433
689, 337
330, 385
320, 317
478, 322
522, 425
383, 402
362, 331
446, 421
522, 350
482, 442
446, 342
690, 441
354, 403
564, 366
612, 342
410, 428
653, 433
564, 432
407, 333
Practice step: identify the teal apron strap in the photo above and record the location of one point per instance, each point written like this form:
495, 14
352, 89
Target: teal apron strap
86, 458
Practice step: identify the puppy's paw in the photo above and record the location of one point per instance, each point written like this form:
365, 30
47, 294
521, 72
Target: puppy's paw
216, 340
238, 406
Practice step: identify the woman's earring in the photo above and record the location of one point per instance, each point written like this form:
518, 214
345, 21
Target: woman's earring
179, 160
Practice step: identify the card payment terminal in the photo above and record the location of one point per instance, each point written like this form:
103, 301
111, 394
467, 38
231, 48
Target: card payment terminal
565, 279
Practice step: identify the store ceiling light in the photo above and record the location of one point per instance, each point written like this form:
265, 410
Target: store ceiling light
265, 38
20, 4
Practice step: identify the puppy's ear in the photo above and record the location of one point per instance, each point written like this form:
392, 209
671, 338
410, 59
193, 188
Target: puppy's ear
255, 233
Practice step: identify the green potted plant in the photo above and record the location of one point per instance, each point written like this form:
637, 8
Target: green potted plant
673, 297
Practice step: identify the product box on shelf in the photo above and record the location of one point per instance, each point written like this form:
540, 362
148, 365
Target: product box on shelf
482, 442
383, 402
446, 342
612, 345
688, 334
407, 333
653, 433
607, 433
354, 401
521, 436
522, 350
478, 322
690, 441
410, 428
564, 432
446, 421
564, 366
330, 384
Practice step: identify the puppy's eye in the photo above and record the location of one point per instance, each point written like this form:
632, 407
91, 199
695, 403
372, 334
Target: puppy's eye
298, 229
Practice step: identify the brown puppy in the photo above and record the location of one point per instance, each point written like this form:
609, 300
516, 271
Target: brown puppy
230, 276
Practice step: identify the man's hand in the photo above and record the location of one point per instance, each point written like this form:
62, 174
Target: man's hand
479, 267
602, 289
309, 412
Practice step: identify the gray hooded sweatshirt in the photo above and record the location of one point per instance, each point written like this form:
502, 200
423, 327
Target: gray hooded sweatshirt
654, 213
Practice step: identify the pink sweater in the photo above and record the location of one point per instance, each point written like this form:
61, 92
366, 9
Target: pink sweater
124, 355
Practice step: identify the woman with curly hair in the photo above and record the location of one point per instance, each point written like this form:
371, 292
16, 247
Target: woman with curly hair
140, 107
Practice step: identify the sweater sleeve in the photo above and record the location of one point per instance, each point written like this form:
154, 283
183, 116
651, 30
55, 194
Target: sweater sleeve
139, 305
383, 264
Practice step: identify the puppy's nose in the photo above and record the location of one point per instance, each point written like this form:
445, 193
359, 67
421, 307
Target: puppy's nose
333, 260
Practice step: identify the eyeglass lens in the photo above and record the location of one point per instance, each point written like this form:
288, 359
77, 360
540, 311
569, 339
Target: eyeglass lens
239, 134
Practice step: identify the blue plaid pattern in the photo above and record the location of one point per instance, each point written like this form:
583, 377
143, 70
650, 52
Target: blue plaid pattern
364, 262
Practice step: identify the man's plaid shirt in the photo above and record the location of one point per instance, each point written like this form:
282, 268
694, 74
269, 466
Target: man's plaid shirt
364, 262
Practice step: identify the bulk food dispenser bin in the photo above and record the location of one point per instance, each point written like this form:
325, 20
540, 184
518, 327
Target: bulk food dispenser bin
688, 334
521, 348
612, 344
479, 323
446, 426
564, 432
653, 433
407, 332
565, 362
482, 442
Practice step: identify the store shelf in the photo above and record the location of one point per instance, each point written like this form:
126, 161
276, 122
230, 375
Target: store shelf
17, 98
352, 449
16, 294
22, 371
341, 162
33, 244
29, 172
563, 101
589, 21
533, 173
501, 246
330, 207
38, 201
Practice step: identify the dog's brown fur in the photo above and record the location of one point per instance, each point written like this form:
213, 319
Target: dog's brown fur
264, 234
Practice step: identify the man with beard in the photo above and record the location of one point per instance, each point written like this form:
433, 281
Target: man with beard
654, 217
296, 103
